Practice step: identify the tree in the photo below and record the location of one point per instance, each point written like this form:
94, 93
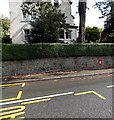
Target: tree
5, 30
108, 32
92, 34
107, 10
48, 23
82, 15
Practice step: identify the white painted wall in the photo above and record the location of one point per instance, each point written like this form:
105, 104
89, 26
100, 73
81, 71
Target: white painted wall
66, 8
16, 24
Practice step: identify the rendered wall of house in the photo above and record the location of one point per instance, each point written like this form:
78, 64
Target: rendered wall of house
66, 8
17, 25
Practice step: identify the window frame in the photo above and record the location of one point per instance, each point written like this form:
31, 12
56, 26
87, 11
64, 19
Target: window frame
63, 35
26, 35
33, 17
68, 34
27, 16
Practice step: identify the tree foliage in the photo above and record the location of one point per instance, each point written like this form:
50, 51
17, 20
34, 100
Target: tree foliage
104, 7
92, 34
107, 10
48, 23
5, 30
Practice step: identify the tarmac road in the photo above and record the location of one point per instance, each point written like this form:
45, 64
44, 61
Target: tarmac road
78, 97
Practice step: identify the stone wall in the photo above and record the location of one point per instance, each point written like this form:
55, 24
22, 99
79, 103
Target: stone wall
23, 67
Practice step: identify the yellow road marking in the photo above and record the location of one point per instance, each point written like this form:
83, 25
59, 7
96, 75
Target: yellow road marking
18, 97
36, 101
10, 108
19, 108
99, 95
22, 117
23, 84
12, 116
82, 93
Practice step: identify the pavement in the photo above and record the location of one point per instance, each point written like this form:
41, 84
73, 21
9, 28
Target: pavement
53, 76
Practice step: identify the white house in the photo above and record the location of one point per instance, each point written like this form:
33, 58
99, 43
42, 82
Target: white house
20, 23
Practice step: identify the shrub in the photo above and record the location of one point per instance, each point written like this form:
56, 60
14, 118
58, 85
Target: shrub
47, 50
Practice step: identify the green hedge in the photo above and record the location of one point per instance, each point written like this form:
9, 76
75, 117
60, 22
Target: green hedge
47, 50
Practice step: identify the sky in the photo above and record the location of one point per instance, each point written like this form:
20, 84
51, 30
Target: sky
92, 15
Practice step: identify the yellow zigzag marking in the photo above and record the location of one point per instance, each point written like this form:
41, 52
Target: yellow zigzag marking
82, 93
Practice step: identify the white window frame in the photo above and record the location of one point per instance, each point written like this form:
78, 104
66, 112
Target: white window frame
69, 36
33, 17
27, 18
25, 35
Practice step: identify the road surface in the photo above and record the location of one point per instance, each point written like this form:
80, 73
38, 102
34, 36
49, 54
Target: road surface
78, 97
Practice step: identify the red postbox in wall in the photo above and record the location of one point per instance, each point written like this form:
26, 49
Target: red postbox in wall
100, 62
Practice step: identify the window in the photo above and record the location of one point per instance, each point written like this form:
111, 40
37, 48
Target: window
64, 35
27, 34
61, 34
56, 3
26, 16
33, 17
68, 35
